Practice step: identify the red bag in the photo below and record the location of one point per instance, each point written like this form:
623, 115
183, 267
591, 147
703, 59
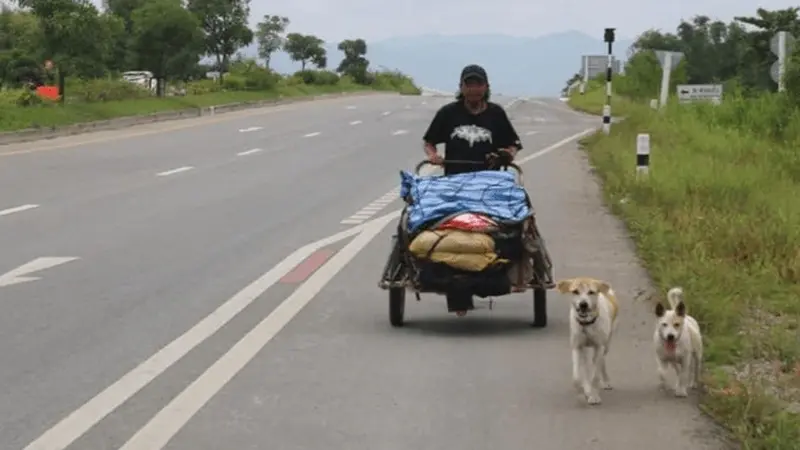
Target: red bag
469, 222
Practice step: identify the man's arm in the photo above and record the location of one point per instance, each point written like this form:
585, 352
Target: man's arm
436, 133
508, 138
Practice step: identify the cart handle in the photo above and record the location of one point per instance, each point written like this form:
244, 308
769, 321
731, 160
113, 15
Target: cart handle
426, 162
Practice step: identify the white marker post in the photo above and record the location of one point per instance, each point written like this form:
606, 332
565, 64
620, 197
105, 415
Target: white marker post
642, 155
654, 103
781, 44
668, 60
585, 74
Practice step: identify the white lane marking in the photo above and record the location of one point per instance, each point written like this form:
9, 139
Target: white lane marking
249, 152
424, 103
373, 207
316, 133
247, 130
409, 106
386, 113
351, 107
531, 133
557, 145
355, 122
513, 102
163, 426
70, 428
18, 275
174, 171
17, 209
399, 132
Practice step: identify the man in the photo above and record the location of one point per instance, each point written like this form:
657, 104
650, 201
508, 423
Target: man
472, 128
476, 130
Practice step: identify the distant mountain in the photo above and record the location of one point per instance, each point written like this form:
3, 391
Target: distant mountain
516, 65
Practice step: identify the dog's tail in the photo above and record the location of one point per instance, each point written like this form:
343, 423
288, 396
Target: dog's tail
674, 296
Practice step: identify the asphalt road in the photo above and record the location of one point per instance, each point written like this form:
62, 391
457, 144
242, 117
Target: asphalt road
189, 310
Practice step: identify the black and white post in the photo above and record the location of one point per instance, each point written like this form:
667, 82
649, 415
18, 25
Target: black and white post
608, 37
642, 155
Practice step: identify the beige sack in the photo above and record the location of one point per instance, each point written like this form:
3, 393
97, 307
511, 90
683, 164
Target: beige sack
451, 241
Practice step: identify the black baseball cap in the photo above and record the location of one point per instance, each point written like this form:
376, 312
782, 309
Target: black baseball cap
474, 71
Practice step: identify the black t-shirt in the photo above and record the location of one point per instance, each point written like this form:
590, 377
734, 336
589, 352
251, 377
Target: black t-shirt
469, 136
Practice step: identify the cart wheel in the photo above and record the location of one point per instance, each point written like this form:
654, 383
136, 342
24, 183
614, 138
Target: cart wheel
539, 308
397, 306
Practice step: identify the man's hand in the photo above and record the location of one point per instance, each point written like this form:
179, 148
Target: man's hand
432, 154
435, 158
504, 156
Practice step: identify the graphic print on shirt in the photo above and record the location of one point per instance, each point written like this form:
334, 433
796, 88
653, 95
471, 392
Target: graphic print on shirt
472, 134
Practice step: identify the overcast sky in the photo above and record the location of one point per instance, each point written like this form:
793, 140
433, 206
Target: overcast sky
334, 20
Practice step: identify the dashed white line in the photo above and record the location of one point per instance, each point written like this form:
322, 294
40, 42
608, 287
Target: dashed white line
531, 133
373, 208
355, 122
247, 130
174, 171
351, 107
316, 133
386, 113
17, 209
424, 103
249, 152
399, 132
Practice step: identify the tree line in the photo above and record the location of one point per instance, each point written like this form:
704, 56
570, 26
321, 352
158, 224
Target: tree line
736, 54
44, 41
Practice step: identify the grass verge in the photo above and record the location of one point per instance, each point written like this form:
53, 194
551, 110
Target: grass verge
13, 118
719, 214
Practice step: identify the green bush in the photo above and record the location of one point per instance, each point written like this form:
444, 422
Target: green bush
201, 87
317, 77
104, 90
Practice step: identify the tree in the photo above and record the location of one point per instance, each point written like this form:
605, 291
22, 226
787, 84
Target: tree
269, 35
74, 36
167, 39
304, 48
225, 25
354, 63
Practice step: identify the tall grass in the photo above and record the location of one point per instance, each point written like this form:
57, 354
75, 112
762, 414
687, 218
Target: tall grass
719, 214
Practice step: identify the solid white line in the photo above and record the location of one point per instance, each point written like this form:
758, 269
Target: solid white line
164, 425
355, 122
249, 152
316, 133
247, 130
17, 209
399, 132
174, 171
93, 411
557, 145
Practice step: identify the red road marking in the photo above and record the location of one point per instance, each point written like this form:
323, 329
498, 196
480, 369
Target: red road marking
308, 266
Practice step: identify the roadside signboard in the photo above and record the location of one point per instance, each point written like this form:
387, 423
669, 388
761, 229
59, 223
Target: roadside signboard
690, 93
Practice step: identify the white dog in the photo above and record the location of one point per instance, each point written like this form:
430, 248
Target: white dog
593, 320
678, 343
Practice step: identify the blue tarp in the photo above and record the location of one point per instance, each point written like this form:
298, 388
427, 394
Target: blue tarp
491, 192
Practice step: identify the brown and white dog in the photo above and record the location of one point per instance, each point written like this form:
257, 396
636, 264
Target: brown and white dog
678, 343
592, 322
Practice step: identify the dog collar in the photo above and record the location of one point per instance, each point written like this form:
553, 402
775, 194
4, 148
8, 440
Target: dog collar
586, 323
